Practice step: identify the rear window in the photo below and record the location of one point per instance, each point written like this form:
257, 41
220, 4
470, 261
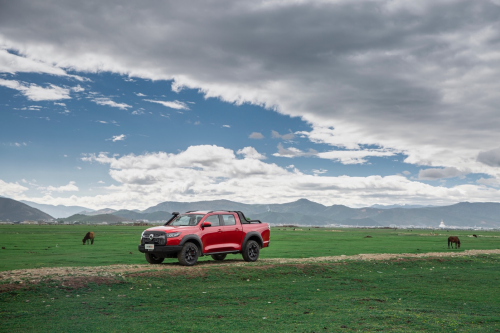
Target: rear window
229, 219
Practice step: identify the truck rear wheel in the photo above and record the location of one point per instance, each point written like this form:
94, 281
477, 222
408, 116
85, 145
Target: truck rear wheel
251, 251
188, 256
152, 259
218, 257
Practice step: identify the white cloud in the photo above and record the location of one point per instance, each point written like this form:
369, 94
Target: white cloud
11, 63
11, 189
60, 104
489, 181
70, 187
138, 111
320, 171
211, 172
256, 135
353, 156
37, 93
140, 94
170, 104
251, 152
227, 126
436, 173
18, 144
101, 182
276, 135
293, 152
78, 88
120, 137
109, 102
406, 173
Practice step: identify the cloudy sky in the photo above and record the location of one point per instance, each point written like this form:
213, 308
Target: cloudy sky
124, 105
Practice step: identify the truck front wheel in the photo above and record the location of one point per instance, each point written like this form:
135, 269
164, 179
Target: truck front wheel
188, 256
152, 259
251, 251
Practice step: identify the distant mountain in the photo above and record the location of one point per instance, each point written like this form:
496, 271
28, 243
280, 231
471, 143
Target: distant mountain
290, 218
96, 218
169, 206
56, 211
98, 212
13, 210
304, 211
134, 215
399, 206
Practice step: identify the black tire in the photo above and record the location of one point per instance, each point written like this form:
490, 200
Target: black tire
219, 257
152, 259
188, 256
251, 251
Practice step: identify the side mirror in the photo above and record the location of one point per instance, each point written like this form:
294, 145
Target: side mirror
206, 224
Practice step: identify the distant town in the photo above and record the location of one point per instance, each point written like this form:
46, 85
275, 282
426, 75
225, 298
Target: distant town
441, 225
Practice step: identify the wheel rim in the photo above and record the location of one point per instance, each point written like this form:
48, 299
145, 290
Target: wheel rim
190, 254
253, 251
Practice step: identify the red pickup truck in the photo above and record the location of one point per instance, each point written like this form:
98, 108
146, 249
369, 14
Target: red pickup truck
198, 233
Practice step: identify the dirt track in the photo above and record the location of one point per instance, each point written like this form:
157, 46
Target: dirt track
35, 275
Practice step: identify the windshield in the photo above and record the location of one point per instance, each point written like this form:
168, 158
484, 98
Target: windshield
185, 220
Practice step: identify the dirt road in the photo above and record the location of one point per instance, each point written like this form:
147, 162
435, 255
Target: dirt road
60, 273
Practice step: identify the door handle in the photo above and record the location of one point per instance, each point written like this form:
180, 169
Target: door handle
237, 229
220, 230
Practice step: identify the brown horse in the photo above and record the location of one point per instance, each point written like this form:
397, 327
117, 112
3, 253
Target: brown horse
89, 236
454, 239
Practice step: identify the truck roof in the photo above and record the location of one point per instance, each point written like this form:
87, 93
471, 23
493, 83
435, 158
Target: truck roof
208, 211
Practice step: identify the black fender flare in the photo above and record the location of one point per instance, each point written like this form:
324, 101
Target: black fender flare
196, 240
252, 234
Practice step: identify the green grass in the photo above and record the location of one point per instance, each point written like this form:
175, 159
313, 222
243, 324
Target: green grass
428, 295
445, 295
55, 246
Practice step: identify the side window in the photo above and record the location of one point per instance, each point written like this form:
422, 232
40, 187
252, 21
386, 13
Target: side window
214, 219
229, 219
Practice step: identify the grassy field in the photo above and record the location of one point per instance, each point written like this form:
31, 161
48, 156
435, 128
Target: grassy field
431, 295
407, 295
58, 246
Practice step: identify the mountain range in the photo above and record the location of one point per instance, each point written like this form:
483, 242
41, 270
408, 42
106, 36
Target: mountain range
57, 211
12, 210
306, 212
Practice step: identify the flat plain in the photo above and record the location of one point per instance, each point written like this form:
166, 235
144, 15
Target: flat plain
402, 295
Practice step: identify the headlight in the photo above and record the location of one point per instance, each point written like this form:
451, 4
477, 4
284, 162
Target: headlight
142, 235
173, 234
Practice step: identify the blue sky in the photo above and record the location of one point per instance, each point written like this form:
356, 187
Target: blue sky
127, 115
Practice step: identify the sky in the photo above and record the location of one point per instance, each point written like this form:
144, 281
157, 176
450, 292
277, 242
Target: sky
126, 104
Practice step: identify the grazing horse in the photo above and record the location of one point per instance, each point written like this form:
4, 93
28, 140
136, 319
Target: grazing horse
89, 236
475, 236
454, 239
